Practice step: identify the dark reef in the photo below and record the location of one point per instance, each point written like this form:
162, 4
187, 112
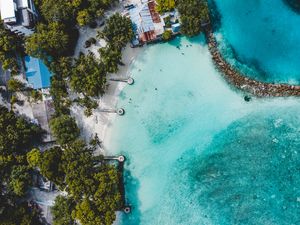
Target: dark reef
293, 4
253, 180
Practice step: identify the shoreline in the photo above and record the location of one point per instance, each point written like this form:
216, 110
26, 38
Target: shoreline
129, 56
100, 123
242, 81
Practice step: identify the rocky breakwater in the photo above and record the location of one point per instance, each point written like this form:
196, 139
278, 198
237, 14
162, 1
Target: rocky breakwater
242, 81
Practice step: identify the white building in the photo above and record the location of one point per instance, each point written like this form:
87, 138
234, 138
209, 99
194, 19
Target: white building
18, 15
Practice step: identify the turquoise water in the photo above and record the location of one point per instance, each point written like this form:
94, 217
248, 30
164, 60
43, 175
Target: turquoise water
264, 35
197, 152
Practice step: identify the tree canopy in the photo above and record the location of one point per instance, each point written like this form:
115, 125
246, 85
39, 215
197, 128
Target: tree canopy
88, 76
192, 14
65, 129
15, 85
61, 69
165, 5
111, 58
16, 134
85, 176
72, 11
17, 137
117, 31
48, 40
10, 45
62, 211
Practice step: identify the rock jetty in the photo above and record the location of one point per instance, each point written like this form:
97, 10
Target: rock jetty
242, 81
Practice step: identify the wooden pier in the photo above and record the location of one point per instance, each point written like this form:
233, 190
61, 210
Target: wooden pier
128, 80
119, 111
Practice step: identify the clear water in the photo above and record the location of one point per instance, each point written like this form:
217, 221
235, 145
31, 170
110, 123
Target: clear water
264, 35
197, 152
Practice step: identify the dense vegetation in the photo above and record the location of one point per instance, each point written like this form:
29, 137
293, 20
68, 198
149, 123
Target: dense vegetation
64, 128
92, 183
167, 35
192, 14
82, 12
117, 32
165, 5
48, 40
17, 137
89, 76
10, 45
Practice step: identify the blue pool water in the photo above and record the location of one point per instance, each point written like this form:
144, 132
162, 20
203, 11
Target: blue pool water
197, 153
264, 35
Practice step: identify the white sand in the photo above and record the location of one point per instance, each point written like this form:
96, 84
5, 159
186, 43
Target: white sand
84, 34
25, 109
99, 123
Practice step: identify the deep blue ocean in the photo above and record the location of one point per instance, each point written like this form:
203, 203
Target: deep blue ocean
264, 37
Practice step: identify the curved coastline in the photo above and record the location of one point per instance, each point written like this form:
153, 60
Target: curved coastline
242, 81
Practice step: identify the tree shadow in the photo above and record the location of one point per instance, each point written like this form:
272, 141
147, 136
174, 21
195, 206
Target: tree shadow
132, 186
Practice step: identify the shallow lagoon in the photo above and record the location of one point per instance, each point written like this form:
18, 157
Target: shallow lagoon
264, 35
197, 152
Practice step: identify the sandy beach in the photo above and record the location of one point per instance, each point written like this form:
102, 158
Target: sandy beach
100, 122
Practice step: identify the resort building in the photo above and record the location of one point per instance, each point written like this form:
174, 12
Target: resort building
37, 73
39, 78
19, 16
147, 23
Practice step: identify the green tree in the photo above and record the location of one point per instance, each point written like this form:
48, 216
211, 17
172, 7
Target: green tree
10, 45
19, 179
84, 17
34, 157
57, 10
17, 136
59, 94
36, 95
88, 103
62, 211
107, 197
167, 35
15, 85
19, 213
13, 100
111, 58
87, 214
78, 167
65, 129
97, 7
117, 31
62, 67
50, 165
48, 40
88, 76
165, 5
193, 13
